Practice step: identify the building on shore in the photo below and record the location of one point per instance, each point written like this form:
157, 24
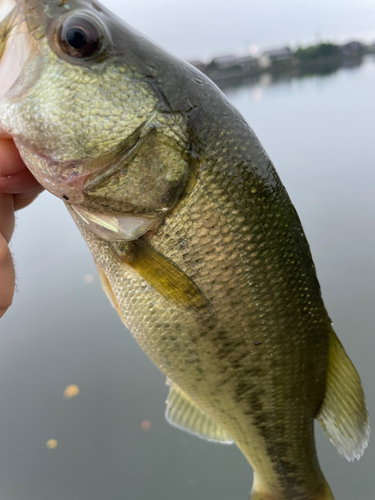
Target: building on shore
283, 57
319, 57
231, 66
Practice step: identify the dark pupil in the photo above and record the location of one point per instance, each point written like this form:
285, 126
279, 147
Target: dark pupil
76, 38
79, 38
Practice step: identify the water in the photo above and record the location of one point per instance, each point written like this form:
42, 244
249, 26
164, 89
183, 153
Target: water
197, 29
112, 440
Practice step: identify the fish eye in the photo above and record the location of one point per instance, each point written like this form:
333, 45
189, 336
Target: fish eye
79, 38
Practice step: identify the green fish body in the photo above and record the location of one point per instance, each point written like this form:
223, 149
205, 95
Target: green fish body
196, 241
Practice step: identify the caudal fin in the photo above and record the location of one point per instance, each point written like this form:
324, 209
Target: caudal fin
343, 415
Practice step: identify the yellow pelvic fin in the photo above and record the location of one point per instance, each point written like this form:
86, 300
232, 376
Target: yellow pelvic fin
343, 414
163, 275
183, 413
108, 291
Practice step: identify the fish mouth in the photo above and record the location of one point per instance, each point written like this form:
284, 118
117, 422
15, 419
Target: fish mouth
17, 45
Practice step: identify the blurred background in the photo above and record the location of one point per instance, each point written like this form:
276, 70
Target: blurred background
81, 407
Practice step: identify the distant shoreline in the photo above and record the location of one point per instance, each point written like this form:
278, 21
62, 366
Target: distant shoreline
322, 58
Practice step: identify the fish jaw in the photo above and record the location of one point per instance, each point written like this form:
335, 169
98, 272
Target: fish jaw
63, 179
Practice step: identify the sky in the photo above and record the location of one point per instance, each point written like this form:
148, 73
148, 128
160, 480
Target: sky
200, 29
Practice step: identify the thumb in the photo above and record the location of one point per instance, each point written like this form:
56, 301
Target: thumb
7, 277
6, 215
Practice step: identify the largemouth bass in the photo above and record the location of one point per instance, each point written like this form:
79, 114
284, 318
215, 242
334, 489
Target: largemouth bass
196, 241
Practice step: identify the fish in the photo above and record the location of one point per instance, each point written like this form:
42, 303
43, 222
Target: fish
197, 244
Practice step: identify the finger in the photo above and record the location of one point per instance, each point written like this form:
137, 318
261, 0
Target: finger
14, 176
10, 160
21, 182
7, 277
22, 200
6, 216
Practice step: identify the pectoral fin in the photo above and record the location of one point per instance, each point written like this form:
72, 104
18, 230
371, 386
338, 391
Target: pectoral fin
164, 276
183, 413
343, 414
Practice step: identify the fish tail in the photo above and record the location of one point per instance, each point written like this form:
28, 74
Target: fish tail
258, 493
343, 414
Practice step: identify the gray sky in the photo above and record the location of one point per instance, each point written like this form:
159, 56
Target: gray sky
202, 28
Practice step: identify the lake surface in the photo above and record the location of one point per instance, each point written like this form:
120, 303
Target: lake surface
113, 442
202, 30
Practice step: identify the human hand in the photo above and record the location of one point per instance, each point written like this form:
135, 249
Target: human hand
18, 188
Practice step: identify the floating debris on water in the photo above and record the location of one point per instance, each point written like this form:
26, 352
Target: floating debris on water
146, 425
88, 278
51, 444
71, 391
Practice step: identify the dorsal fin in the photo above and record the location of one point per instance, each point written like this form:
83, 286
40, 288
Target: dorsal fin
343, 414
183, 413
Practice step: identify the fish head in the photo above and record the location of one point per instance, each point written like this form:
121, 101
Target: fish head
86, 111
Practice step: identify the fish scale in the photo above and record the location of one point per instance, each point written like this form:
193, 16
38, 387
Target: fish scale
197, 244
244, 313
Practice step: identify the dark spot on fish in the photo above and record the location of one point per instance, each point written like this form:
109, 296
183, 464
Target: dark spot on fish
225, 381
241, 357
241, 389
258, 343
253, 371
263, 426
65, 197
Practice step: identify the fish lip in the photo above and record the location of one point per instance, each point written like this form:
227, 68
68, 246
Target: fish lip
64, 179
8, 21
69, 189
6, 7
17, 47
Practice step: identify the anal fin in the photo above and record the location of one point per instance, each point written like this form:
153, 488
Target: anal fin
343, 414
183, 413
